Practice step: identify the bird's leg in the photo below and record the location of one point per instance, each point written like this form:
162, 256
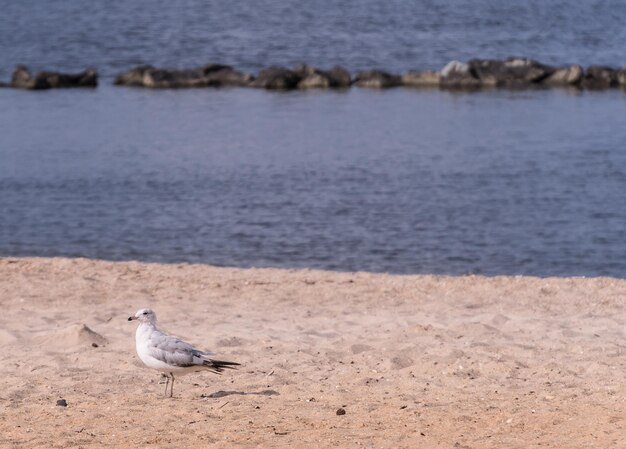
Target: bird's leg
172, 387
166, 383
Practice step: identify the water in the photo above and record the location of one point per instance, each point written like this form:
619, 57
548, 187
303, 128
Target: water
398, 35
404, 181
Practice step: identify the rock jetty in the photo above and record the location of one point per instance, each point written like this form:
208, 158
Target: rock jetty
511, 73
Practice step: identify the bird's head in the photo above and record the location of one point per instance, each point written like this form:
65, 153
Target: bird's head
144, 316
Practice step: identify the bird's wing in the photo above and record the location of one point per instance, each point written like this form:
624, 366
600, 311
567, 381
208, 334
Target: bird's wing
174, 351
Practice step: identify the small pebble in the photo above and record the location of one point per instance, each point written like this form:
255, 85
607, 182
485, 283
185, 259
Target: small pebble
95, 345
341, 411
62, 403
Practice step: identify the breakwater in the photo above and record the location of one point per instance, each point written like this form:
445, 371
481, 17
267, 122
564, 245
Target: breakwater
514, 72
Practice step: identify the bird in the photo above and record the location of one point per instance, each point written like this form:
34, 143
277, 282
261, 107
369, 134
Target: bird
170, 354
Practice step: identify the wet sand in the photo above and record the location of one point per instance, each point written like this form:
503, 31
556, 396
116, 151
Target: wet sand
415, 361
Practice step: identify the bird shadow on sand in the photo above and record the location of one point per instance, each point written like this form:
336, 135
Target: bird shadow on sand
222, 393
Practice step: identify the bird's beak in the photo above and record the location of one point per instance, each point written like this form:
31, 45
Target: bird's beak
131, 318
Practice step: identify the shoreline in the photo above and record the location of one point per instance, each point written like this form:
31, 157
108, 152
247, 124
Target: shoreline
414, 360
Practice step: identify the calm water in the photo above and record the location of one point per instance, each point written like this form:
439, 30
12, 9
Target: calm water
114, 35
402, 181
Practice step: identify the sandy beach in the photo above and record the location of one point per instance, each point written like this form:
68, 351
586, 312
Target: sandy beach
415, 361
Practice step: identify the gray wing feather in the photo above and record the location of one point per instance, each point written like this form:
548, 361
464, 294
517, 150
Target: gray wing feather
174, 351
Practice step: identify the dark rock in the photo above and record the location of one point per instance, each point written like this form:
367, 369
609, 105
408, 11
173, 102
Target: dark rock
376, 79
213, 68
458, 75
22, 79
339, 77
277, 78
86, 78
62, 403
421, 79
565, 76
211, 75
513, 72
600, 77
224, 75
341, 411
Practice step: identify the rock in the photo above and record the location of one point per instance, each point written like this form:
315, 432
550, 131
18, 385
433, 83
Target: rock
223, 75
278, 78
314, 81
86, 78
312, 78
339, 77
22, 79
134, 77
376, 79
600, 77
421, 79
513, 72
210, 75
168, 79
341, 411
621, 77
62, 403
458, 75
565, 76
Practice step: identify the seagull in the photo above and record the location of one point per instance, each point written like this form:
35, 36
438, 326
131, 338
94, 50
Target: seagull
170, 354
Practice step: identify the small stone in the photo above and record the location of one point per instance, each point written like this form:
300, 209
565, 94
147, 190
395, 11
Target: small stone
62, 403
94, 345
341, 411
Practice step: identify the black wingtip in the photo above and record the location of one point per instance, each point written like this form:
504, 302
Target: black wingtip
217, 366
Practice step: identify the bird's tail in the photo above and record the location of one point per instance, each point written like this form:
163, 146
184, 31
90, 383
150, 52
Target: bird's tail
217, 366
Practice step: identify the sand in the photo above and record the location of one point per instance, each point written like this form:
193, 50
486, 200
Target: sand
415, 361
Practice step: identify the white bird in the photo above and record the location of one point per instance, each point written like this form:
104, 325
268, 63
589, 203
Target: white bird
169, 354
